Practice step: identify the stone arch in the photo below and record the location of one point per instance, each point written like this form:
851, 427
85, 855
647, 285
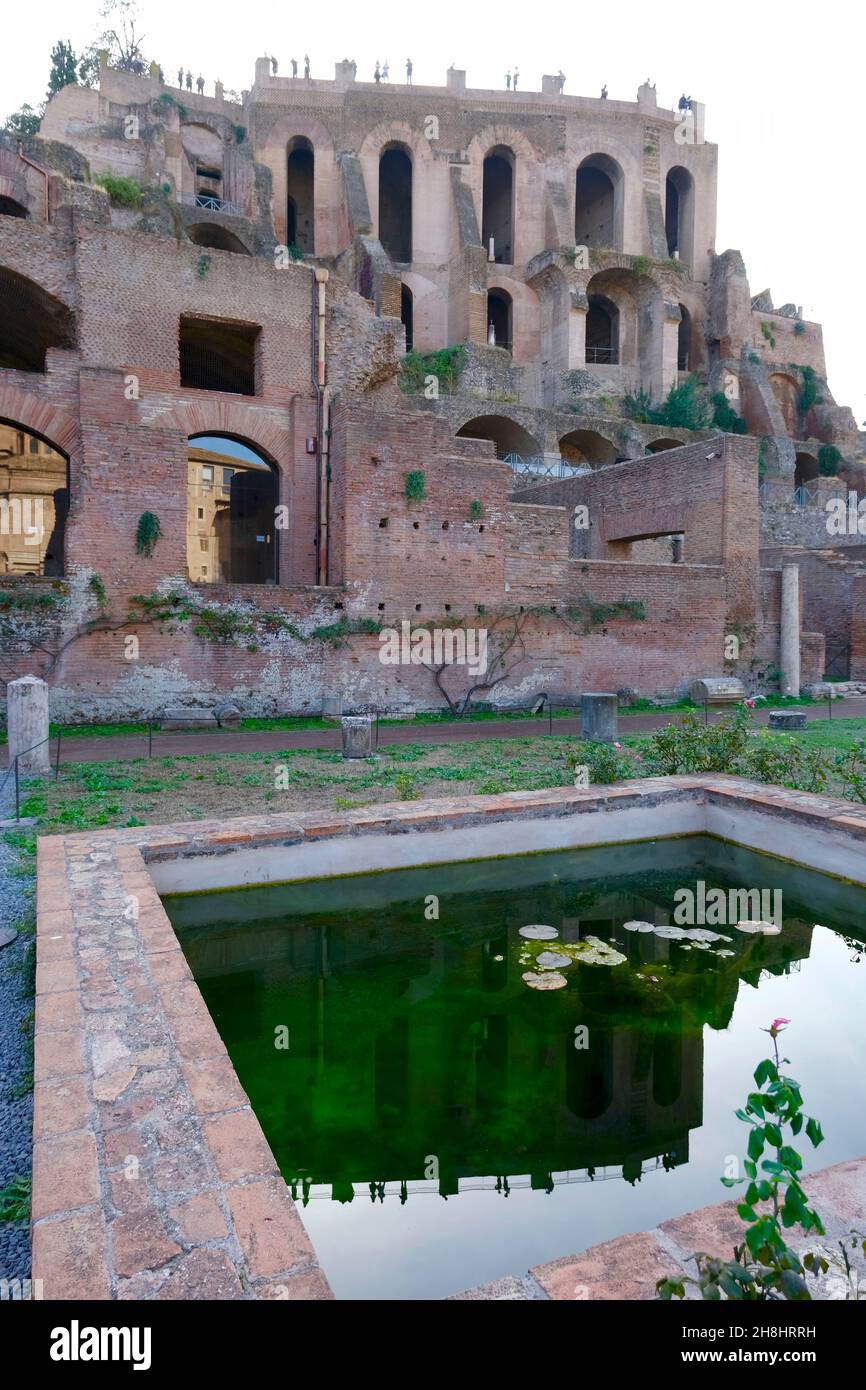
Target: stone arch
236, 420
497, 204
658, 446
231, 512
588, 446
202, 164
31, 321
217, 237
680, 213
300, 194
525, 316
630, 209
396, 177
806, 468
329, 214
10, 207
528, 187
638, 302
500, 313
22, 412
599, 202
505, 431
419, 150
429, 312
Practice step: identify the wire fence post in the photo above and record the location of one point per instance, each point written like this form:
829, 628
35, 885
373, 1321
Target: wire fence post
17, 791
549, 715
149, 739
57, 763
706, 710
829, 704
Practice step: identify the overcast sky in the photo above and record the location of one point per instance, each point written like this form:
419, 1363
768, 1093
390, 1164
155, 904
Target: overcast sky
782, 83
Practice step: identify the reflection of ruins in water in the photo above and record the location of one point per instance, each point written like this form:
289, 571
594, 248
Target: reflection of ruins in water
421, 1095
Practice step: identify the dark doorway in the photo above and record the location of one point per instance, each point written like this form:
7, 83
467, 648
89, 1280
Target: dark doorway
406, 310
395, 203
231, 513
300, 197
497, 216
499, 310
602, 330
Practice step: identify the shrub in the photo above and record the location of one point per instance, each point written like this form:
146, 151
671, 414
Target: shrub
638, 406
765, 1268
829, 459
407, 787
607, 762
693, 746
445, 365
147, 533
416, 485
725, 417
124, 191
809, 395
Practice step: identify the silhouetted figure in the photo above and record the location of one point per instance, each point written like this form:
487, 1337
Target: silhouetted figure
508, 82
377, 76
188, 80
274, 66
604, 92
294, 67
354, 69
306, 65
561, 76
199, 82
385, 71
180, 77
162, 76
514, 79
409, 72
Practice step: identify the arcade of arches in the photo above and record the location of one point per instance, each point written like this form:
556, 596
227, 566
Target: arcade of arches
34, 503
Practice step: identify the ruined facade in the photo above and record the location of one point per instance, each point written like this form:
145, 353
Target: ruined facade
206, 309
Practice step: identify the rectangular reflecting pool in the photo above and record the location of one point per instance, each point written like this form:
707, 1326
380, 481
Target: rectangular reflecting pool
452, 1099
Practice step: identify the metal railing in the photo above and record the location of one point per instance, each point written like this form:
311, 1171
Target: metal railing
14, 771
212, 203
805, 496
542, 466
602, 354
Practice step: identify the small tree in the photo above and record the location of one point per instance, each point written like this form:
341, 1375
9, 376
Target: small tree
64, 67
26, 121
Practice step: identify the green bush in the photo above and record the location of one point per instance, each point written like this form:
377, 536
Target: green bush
126, 192
607, 762
416, 486
725, 417
829, 458
810, 394
445, 365
692, 746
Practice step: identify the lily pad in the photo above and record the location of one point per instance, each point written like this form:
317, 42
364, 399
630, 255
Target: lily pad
551, 979
638, 926
539, 933
553, 960
767, 928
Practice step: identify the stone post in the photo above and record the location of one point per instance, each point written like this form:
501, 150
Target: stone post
357, 735
598, 716
789, 630
27, 715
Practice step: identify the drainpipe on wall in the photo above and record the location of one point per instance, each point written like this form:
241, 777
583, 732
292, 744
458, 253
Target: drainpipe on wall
40, 169
319, 376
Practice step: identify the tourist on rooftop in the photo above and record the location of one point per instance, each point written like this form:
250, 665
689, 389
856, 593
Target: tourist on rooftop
409, 71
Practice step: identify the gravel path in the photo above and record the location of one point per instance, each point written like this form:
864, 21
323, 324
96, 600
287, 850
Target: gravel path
16, 1059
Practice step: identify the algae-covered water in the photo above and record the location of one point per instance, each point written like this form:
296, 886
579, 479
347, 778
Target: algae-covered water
454, 1100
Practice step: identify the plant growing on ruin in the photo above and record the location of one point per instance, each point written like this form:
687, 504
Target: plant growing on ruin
445, 365
725, 417
415, 485
147, 533
126, 192
638, 405
764, 1267
97, 588
809, 394
476, 510
767, 332
240, 133
829, 458
204, 264
799, 328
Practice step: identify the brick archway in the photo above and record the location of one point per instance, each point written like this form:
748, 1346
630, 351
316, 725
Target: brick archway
36, 415
230, 418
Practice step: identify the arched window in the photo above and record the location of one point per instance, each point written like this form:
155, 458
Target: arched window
499, 311
406, 314
217, 237
587, 446
395, 203
598, 203
497, 204
231, 513
679, 213
9, 208
31, 322
806, 469
34, 503
507, 435
684, 338
602, 330
300, 197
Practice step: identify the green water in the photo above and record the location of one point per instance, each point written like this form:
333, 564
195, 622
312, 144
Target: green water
444, 1124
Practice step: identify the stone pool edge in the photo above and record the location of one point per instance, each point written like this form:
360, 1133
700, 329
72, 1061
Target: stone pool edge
151, 1175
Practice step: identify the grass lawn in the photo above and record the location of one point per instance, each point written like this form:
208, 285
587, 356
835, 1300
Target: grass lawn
158, 790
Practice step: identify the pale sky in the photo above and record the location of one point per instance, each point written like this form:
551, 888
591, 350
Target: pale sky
781, 82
